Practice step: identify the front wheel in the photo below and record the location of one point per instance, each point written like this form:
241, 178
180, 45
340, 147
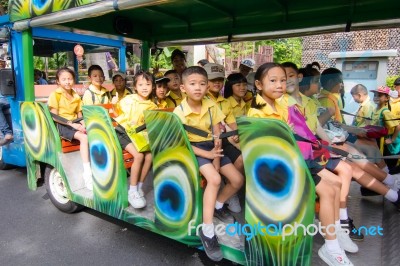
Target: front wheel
57, 191
3, 165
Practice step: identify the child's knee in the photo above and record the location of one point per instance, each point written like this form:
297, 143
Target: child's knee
214, 181
148, 156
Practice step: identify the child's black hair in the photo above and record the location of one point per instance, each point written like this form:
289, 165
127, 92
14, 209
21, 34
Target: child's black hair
260, 74
309, 73
147, 76
231, 80
291, 65
65, 69
194, 70
172, 71
94, 67
327, 75
359, 88
176, 53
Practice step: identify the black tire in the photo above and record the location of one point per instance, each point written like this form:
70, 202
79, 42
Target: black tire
57, 192
3, 165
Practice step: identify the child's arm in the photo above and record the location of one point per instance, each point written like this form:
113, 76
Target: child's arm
394, 136
214, 153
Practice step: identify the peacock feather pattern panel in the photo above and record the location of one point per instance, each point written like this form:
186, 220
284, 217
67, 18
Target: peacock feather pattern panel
43, 144
177, 192
109, 174
24, 9
279, 191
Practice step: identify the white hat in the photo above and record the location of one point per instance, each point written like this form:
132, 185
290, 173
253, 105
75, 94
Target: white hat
214, 71
119, 74
248, 62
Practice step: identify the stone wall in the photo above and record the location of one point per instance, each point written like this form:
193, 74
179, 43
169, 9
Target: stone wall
318, 47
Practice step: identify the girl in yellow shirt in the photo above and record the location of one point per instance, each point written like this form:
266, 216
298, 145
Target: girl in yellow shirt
131, 115
65, 102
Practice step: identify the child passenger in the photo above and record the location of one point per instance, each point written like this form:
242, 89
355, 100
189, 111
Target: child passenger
96, 93
216, 78
270, 81
120, 90
174, 84
360, 95
65, 102
160, 95
131, 115
235, 91
200, 112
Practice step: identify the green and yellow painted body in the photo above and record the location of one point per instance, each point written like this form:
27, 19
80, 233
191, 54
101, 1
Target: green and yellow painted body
278, 186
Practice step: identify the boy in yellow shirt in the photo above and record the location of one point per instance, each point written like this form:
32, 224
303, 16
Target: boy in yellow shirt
200, 112
160, 94
360, 95
96, 93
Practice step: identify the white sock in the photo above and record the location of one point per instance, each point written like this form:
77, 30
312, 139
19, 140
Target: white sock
337, 224
208, 230
385, 169
343, 214
391, 195
389, 180
87, 168
140, 184
218, 205
333, 245
133, 188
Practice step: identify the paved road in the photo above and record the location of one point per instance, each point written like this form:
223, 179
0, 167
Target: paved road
33, 232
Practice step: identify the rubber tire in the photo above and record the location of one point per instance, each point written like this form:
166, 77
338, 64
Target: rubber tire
3, 165
60, 201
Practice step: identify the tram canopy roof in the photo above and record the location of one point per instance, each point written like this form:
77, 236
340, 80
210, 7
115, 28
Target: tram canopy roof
168, 22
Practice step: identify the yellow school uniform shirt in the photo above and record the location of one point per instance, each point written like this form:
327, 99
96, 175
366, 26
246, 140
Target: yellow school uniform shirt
131, 110
200, 120
286, 100
332, 100
68, 109
385, 119
395, 106
309, 109
224, 106
120, 97
165, 103
365, 110
239, 108
100, 96
176, 97
266, 111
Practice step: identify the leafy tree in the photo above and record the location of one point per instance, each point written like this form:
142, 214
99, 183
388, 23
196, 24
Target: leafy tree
284, 49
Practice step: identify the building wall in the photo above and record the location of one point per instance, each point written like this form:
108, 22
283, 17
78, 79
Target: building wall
318, 47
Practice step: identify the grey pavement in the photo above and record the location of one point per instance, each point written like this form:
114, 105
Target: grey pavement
33, 232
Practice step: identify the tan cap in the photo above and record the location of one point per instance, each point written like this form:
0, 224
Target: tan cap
214, 71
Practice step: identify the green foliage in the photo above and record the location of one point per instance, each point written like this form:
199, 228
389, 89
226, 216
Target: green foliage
284, 49
132, 59
57, 61
390, 80
164, 59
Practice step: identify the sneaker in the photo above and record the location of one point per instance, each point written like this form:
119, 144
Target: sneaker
345, 242
334, 259
87, 177
211, 246
234, 204
135, 200
397, 202
223, 215
141, 193
354, 234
